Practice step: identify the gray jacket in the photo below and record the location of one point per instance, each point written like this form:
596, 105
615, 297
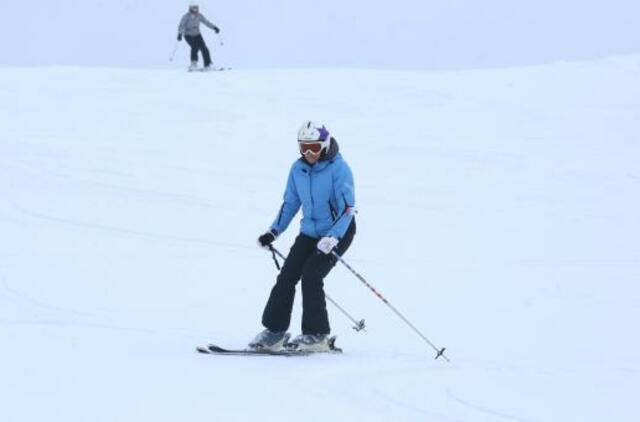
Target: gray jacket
190, 24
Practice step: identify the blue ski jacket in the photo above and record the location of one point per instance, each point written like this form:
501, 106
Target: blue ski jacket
324, 191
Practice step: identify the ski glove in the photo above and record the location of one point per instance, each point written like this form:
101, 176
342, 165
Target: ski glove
267, 239
216, 29
327, 243
179, 37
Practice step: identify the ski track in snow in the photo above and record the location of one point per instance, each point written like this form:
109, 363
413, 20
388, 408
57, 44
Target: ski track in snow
424, 414
190, 200
82, 319
486, 410
121, 230
17, 296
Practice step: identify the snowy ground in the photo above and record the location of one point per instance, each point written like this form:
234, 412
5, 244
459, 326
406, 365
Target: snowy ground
498, 211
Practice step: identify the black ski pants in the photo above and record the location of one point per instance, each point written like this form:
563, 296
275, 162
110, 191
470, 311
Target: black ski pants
197, 44
304, 262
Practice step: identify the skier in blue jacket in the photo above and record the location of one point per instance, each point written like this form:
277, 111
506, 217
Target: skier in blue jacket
320, 182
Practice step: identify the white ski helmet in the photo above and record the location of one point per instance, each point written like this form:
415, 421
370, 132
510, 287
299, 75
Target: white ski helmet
313, 132
194, 4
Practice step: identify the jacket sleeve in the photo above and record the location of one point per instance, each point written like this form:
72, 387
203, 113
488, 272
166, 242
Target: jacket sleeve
345, 195
206, 22
181, 25
289, 207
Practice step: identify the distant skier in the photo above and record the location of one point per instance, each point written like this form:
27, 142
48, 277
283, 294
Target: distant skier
190, 28
322, 184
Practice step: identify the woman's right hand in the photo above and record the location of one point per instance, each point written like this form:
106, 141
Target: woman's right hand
265, 240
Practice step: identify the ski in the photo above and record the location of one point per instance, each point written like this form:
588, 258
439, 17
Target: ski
213, 69
213, 349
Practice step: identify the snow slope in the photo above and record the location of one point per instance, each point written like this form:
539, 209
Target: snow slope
498, 211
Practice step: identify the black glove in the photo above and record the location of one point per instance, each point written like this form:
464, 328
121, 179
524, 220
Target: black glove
179, 37
216, 29
267, 238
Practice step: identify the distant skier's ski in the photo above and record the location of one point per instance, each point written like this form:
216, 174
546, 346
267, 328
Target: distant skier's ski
213, 349
212, 69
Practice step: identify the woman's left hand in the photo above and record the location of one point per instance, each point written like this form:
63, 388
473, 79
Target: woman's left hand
327, 243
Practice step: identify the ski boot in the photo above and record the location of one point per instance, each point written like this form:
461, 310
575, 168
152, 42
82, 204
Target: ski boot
193, 66
269, 340
310, 343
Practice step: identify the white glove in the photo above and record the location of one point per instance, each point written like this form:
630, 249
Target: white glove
327, 243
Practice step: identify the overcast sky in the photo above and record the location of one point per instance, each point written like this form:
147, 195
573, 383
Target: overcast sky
401, 34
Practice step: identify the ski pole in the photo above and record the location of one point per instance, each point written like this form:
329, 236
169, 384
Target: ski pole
439, 352
175, 48
358, 325
220, 38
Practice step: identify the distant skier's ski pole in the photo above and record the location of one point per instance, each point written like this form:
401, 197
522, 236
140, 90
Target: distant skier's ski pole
439, 352
175, 48
357, 325
221, 41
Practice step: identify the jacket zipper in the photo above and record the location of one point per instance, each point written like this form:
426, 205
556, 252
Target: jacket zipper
334, 213
315, 230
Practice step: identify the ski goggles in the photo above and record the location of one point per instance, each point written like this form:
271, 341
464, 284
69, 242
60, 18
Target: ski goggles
313, 147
